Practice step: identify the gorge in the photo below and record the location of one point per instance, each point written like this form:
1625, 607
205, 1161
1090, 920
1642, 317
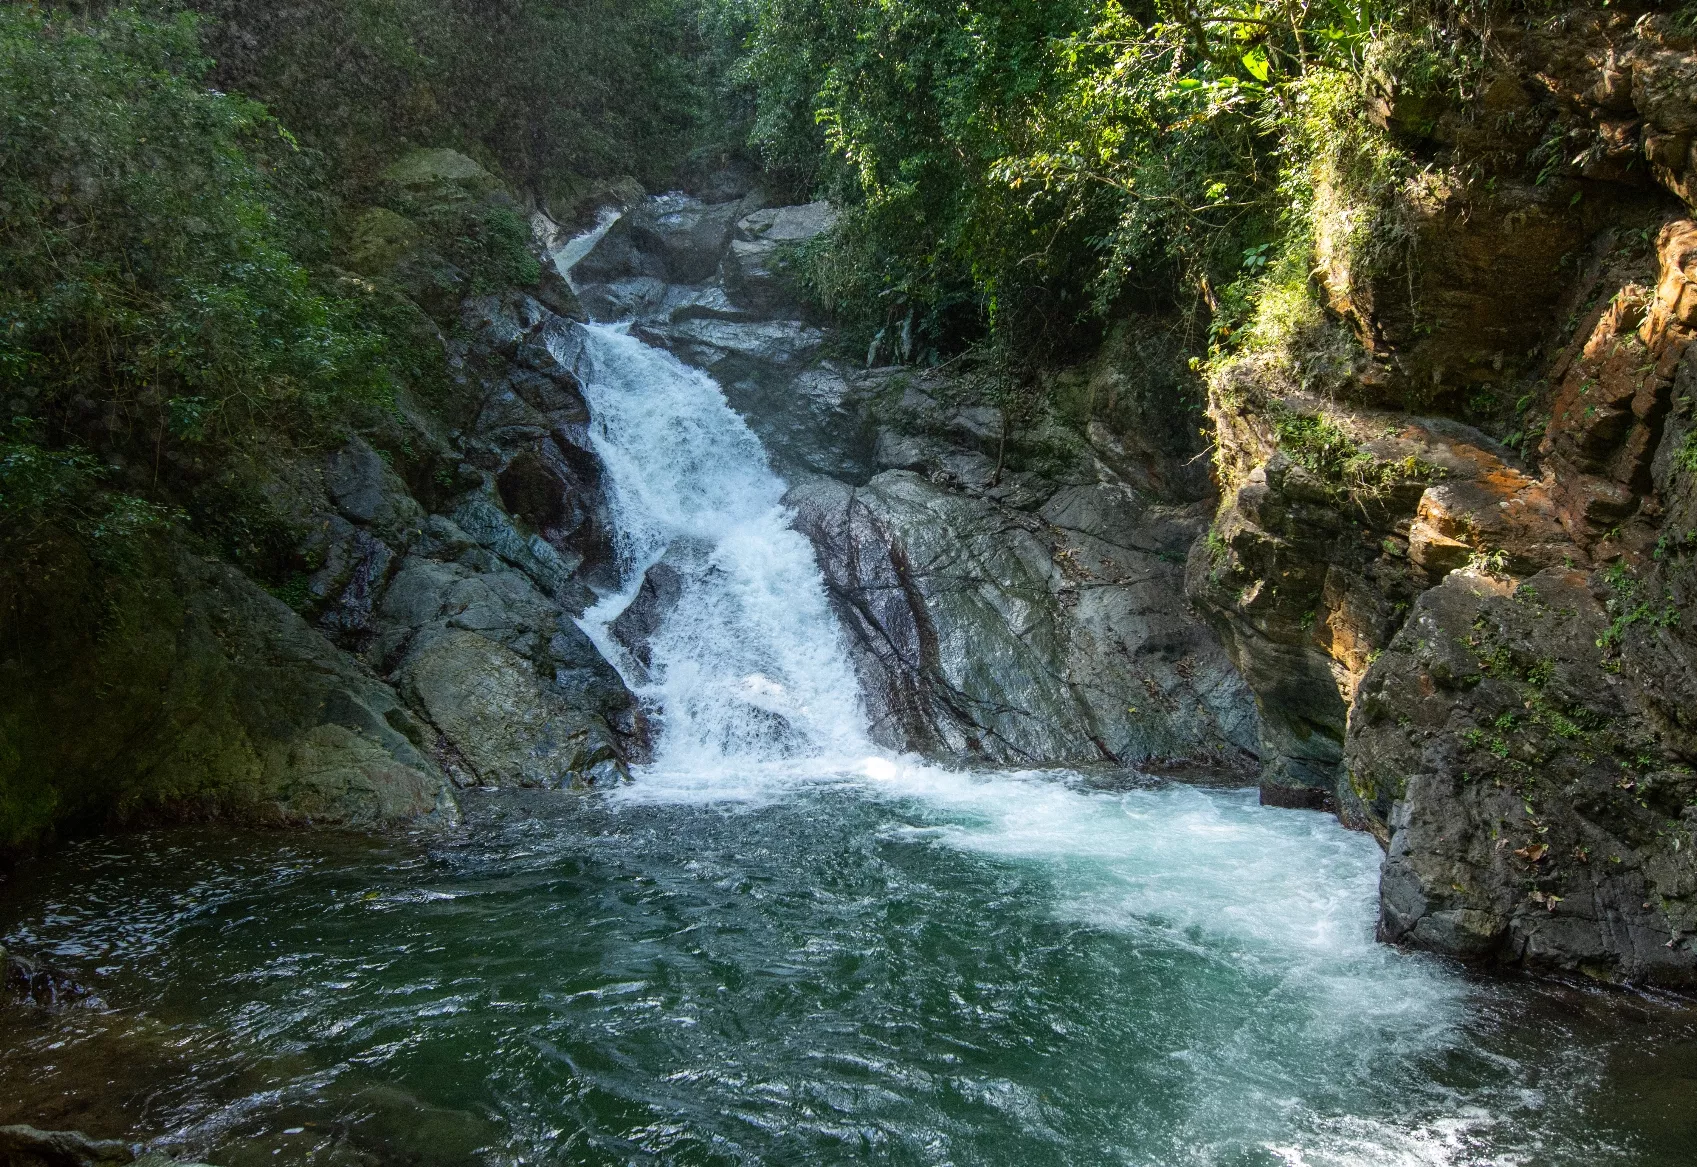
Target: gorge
677, 720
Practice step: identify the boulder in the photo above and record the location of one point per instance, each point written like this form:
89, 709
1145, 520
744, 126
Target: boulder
687, 235
754, 271
24, 1146
1535, 808
519, 695
1060, 639
224, 701
662, 588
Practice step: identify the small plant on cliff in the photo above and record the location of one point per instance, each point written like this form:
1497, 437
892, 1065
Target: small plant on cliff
1685, 458
1326, 450
1627, 605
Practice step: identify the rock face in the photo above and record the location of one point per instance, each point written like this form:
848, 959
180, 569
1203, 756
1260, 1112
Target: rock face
426, 640
1308, 573
468, 611
228, 701
1536, 810
1528, 744
1483, 652
1012, 611
1057, 636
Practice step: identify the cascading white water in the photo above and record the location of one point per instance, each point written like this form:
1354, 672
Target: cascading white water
753, 690
749, 667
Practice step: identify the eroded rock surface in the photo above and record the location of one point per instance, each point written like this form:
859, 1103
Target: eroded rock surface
1534, 808
1059, 637
1480, 651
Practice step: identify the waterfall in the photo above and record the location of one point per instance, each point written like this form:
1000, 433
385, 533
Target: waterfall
566, 254
748, 666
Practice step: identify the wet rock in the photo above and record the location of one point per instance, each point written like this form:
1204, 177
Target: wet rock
662, 588
687, 235
1056, 640
712, 344
517, 693
499, 713
626, 299
41, 984
24, 1146
1528, 784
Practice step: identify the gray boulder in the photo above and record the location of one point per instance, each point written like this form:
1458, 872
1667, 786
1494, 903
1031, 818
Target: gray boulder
519, 695
753, 270
1053, 639
688, 236
662, 589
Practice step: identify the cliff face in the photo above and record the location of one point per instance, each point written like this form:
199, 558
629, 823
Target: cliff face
1454, 554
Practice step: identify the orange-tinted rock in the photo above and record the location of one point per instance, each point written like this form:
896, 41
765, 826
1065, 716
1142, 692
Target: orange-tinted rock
1607, 416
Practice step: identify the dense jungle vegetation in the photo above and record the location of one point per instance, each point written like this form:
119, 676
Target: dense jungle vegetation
190, 192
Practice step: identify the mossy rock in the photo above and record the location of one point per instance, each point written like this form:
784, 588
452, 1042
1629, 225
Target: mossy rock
196, 692
381, 239
428, 168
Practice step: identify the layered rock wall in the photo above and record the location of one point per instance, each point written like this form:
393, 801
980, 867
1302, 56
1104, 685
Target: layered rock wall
1454, 568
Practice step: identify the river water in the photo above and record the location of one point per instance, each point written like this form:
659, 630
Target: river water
779, 945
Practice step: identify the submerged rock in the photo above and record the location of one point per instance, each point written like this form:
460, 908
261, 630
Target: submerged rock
41, 984
24, 1146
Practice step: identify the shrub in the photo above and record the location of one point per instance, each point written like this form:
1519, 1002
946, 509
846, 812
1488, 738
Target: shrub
147, 295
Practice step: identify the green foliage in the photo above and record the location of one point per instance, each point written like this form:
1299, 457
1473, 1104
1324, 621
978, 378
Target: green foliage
147, 292
1685, 458
1014, 170
905, 112
547, 92
1629, 605
1322, 447
49, 495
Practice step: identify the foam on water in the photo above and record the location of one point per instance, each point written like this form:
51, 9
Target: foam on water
749, 668
756, 701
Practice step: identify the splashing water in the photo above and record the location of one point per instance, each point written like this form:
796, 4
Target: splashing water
748, 670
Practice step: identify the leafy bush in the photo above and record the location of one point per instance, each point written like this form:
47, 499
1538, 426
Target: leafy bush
547, 92
148, 298
1016, 172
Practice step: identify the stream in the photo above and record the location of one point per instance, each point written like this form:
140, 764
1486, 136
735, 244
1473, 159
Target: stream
780, 945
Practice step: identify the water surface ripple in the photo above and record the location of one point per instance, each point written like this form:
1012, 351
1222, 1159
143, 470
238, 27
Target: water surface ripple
917, 967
